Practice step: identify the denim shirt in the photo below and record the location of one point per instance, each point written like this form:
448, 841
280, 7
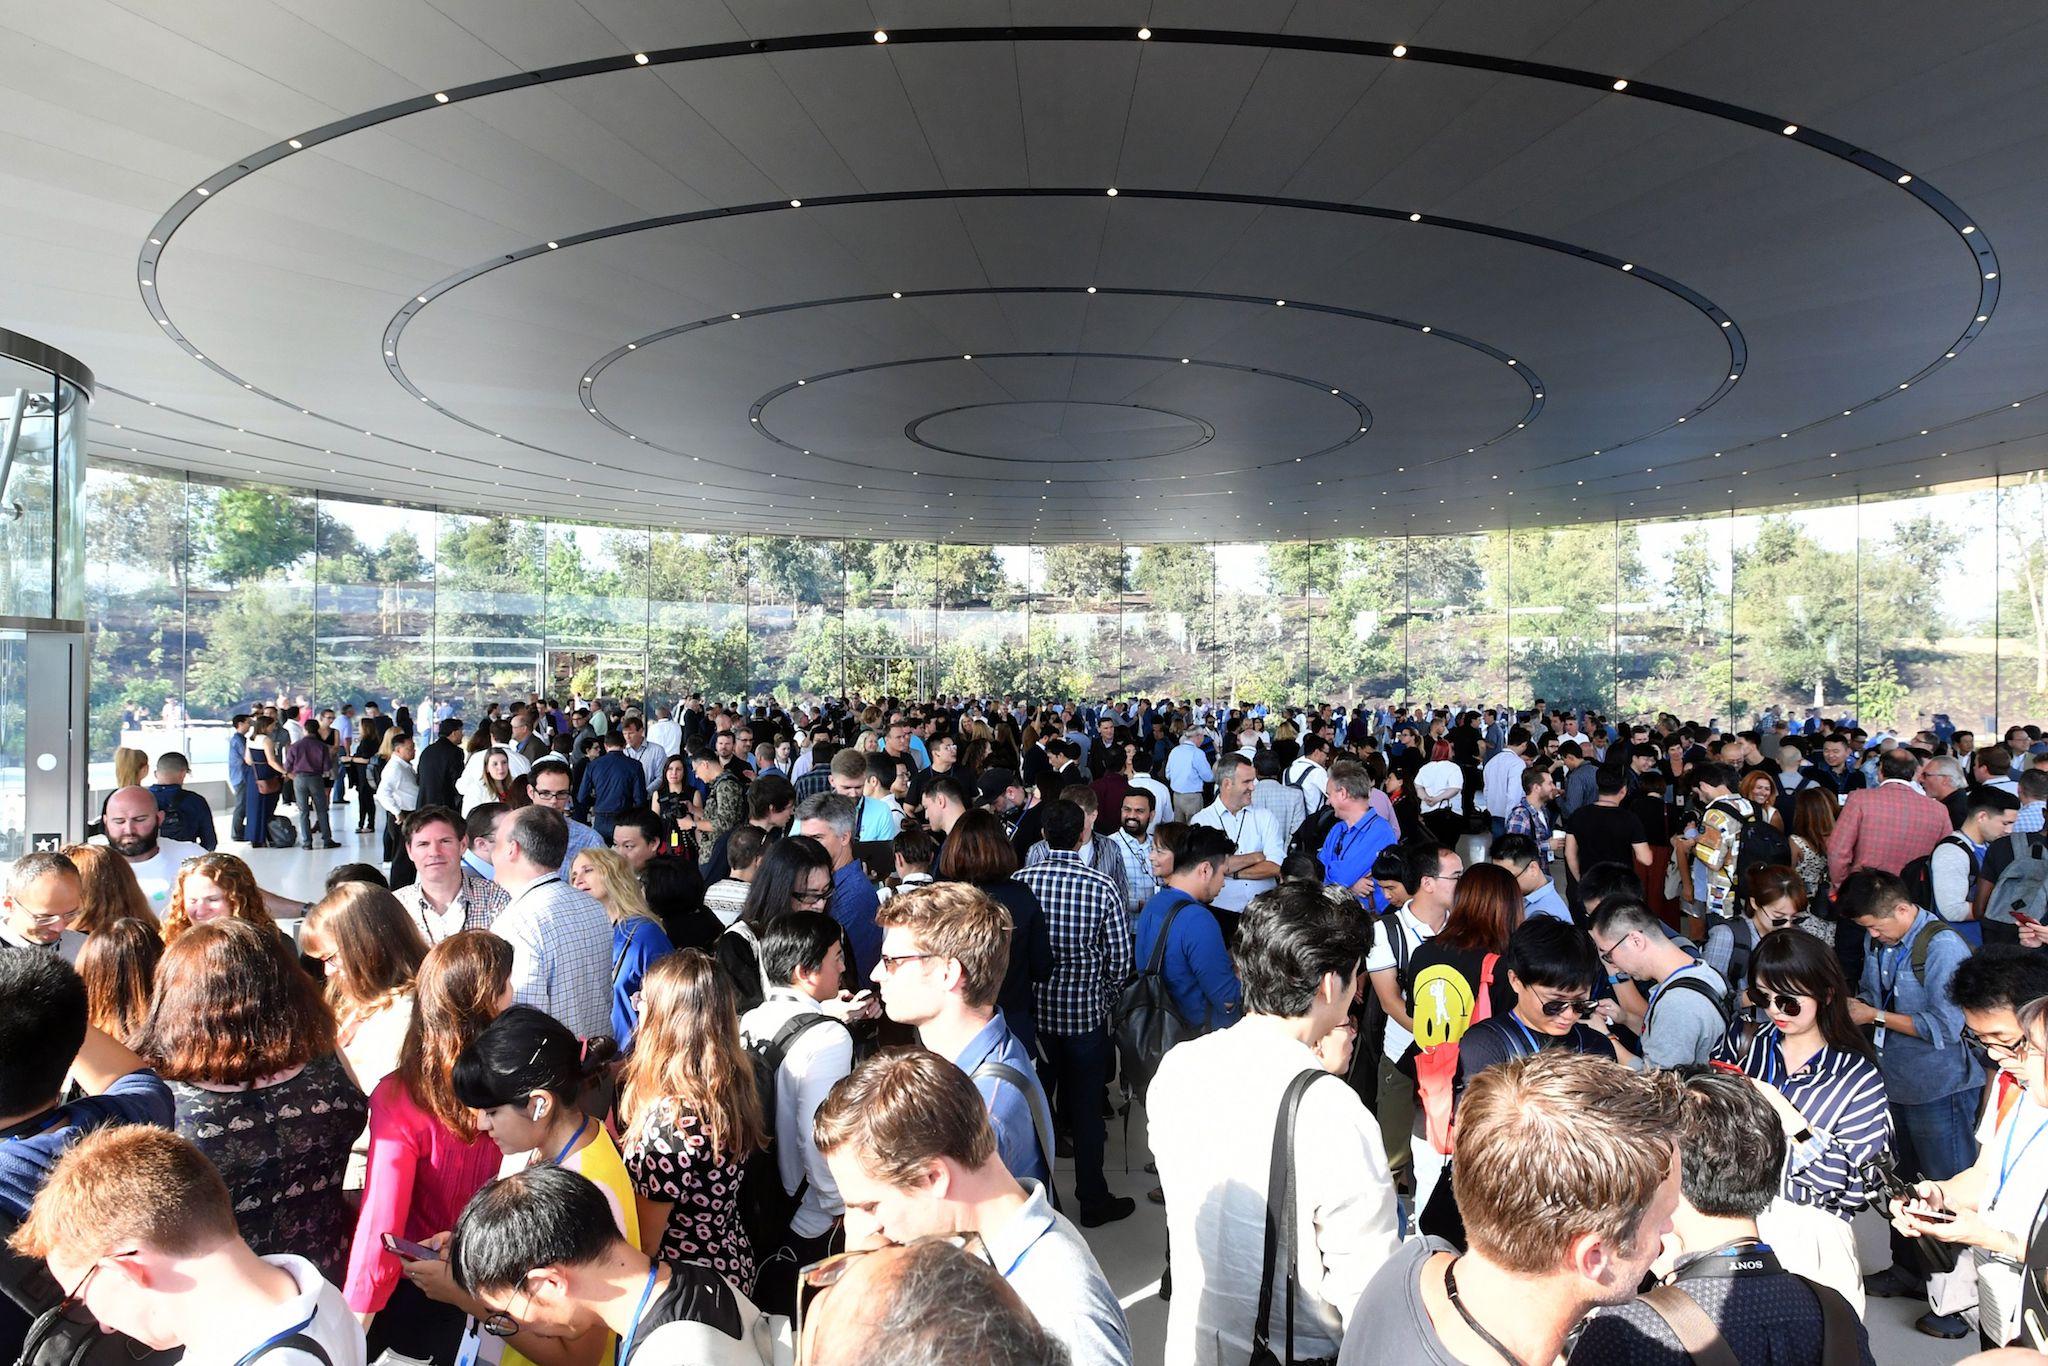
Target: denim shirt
1934, 1065
1009, 1110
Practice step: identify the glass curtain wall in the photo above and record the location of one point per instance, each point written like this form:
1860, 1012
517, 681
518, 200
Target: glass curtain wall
206, 596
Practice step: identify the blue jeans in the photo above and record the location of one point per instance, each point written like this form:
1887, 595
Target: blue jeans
1500, 826
1934, 1140
1077, 1070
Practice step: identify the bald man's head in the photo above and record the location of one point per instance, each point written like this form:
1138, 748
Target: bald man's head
132, 820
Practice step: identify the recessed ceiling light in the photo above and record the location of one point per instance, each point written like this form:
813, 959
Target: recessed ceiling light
294, 144
1790, 129
800, 384
796, 203
734, 316
632, 346
1983, 317
554, 246
1425, 327
1991, 275
1621, 85
440, 97
1112, 192
641, 58
1969, 228
1628, 265
1279, 303
1144, 34
1091, 289
420, 298
1400, 49
970, 357
1905, 180
881, 35
204, 191
156, 241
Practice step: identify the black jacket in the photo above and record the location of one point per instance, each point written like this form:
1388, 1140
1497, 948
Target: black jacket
439, 768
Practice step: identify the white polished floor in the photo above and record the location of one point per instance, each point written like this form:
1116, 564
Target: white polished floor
1131, 1252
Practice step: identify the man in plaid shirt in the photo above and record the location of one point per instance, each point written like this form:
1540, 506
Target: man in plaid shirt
1091, 942
1888, 826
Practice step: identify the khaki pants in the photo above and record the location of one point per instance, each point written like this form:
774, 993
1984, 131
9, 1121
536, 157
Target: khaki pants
1187, 805
1397, 1123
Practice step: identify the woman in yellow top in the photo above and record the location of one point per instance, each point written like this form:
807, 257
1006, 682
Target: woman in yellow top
524, 1078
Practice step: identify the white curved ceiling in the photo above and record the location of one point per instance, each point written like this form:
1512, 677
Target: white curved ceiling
1510, 288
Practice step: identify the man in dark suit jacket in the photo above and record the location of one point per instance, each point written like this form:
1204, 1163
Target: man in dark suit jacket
440, 766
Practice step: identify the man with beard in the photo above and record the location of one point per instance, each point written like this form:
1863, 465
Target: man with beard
132, 820
1133, 841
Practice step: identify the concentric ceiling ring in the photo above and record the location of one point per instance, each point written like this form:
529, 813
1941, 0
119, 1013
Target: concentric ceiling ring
1983, 255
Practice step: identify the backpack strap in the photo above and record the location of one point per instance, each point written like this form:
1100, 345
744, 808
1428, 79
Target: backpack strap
1158, 963
1041, 1117
1697, 1336
297, 1342
1922, 943
1280, 1216
1838, 1325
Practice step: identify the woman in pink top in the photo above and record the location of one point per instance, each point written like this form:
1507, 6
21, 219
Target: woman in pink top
426, 1156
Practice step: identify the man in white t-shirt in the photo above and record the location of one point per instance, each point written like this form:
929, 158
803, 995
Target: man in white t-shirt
1440, 787
1310, 773
802, 962
138, 1227
1255, 867
1433, 873
132, 820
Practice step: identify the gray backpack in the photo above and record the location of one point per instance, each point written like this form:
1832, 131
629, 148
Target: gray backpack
2023, 886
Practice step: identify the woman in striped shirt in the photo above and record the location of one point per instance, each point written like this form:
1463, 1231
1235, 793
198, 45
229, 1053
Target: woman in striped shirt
1818, 1072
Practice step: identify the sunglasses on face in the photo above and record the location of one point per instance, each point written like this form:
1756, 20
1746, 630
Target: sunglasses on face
1785, 1003
1580, 1006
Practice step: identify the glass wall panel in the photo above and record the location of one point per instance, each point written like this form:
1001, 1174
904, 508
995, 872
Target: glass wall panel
2023, 598
981, 628
1076, 641
135, 602
1254, 661
697, 615
1674, 647
248, 607
797, 590
1169, 622
1457, 629
1562, 587
596, 612
489, 610
891, 587
1796, 637
373, 604
28, 531
1358, 610
1927, 576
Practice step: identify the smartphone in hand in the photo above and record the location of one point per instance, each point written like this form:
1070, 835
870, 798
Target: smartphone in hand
411, 1251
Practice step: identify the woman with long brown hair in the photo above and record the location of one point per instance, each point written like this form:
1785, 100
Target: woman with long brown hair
426, 1156
371, 951
692, 1117
214, 887
240, 1033
107, 890
118, 963
1813, 824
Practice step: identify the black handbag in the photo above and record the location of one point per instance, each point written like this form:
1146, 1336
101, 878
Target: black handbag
1281, 1230
1923, 1256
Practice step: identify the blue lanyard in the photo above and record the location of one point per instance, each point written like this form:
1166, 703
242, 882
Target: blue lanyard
278, 1337
1528, 1035
568, 1147
1888, 992
2007, 1163
1350, 836
624, 1347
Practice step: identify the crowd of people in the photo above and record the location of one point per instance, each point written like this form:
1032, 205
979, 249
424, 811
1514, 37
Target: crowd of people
732, 1034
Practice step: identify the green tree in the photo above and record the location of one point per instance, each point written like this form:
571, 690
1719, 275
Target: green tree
1799, 605
1693, 592
137, 521
1444, 571
250, 532
1083, 573
257, 640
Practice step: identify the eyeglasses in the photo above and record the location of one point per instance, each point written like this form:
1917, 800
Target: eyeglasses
500, 1323
72, 1308
1606, 954
889, 962
1581, 1006
1994, 1048
558, 794
1784, 1002
814, 1280
810, 898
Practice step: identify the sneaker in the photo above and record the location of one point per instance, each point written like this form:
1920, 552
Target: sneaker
1108, 1212
1942, 1325
1893, 1284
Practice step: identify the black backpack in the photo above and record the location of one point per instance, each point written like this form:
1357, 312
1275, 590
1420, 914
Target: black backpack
1742, 946
1763, 845
765, 1207
176, 823
1311, 834
1144, 1022
1918, 875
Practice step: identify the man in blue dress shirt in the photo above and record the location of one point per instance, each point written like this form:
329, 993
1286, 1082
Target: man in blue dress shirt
1357, 838
613, 785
